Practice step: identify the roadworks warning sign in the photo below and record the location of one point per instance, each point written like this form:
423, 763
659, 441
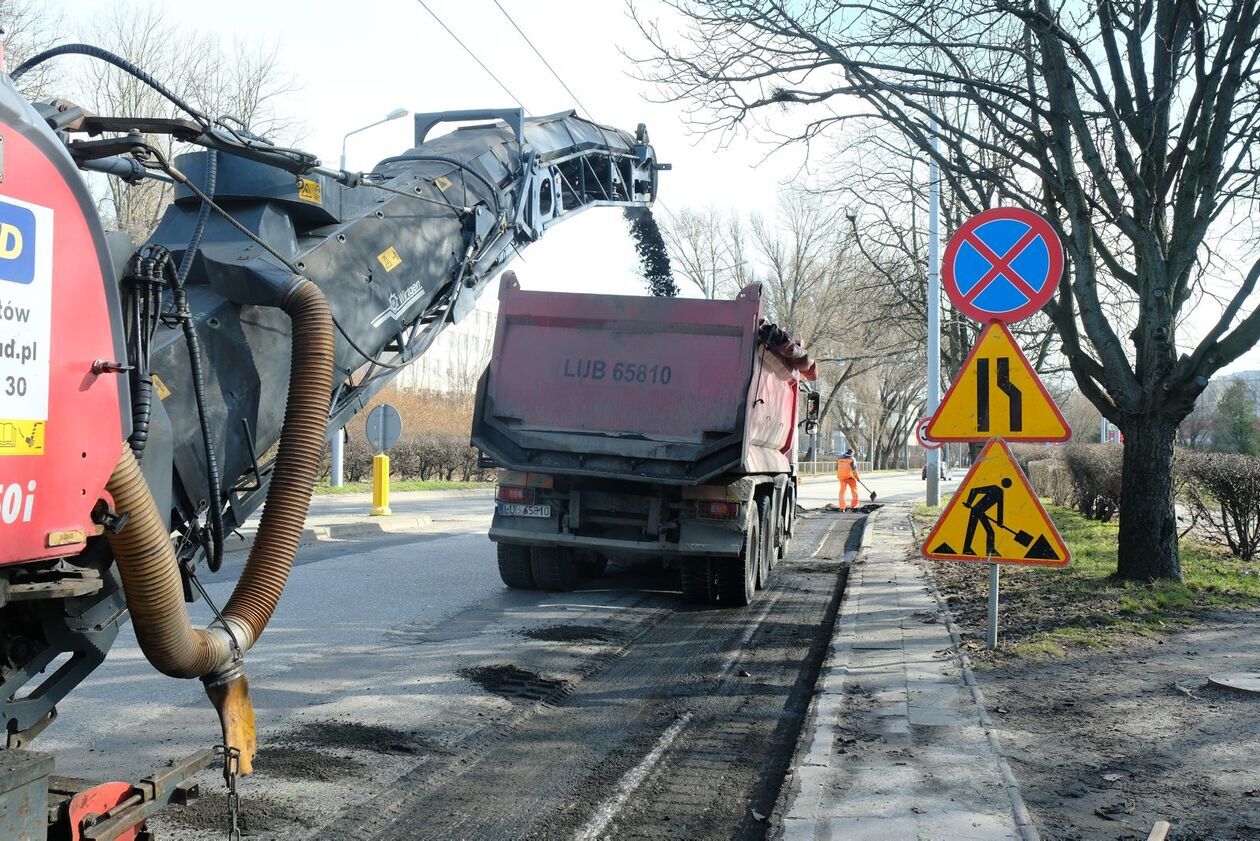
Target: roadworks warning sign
995, 517
997, 394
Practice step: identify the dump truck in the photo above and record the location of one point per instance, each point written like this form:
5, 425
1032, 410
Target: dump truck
638, 428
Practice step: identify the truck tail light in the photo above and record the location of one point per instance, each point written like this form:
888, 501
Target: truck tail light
515, 493
711, 509
529, 480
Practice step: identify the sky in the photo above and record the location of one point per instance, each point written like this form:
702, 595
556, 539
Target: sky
355, 62
352, 63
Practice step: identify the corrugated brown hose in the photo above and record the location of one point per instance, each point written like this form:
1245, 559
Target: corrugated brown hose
146, 560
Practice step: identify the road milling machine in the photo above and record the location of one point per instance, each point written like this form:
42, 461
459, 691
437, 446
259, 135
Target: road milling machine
153, 396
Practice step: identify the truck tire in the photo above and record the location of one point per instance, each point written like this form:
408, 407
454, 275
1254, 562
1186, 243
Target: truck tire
698, 586
787, 524
737, 577
555, 569
514, 566
769, 532
594, 566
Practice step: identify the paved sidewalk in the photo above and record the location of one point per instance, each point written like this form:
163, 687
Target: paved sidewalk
897, 749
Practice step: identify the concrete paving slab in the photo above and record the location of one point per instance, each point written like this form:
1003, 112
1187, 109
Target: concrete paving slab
897, 746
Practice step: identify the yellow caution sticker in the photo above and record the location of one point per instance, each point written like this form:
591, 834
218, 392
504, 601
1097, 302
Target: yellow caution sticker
997, 394
309, 190
160, 387
995, 517
389, 259
443, 183
22, 437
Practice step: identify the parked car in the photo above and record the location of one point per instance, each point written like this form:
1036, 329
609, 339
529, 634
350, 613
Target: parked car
946, 474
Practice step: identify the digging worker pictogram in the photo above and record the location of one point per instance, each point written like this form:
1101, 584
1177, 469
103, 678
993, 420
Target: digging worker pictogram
847, 475
979, 503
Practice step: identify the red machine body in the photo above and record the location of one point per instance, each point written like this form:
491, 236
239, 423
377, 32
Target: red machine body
61, 422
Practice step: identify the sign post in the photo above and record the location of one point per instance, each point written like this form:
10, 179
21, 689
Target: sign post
1001, 266
383, 428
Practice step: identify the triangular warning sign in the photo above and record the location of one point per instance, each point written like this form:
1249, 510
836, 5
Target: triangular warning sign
997, 394
994, 517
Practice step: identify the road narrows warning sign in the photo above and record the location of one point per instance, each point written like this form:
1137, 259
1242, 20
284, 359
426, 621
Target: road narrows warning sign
994, 517
997, 394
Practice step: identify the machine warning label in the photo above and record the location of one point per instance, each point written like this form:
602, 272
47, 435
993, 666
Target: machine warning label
389, 259
25, 325
309, 190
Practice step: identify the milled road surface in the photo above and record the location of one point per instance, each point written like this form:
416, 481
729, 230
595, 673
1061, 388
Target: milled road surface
403, 692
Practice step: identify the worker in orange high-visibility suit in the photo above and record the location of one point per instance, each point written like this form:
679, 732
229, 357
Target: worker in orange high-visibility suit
847, 474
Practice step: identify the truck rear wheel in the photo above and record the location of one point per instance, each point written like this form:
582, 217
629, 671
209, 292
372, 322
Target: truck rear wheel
555, 569
594, 566
769, 532
698, 586
514, 566
737, 577
787, 524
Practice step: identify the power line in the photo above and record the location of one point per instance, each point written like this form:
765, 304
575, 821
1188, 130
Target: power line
499, 81
543, 59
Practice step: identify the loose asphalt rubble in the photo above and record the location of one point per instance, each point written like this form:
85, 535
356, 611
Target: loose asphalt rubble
899, 745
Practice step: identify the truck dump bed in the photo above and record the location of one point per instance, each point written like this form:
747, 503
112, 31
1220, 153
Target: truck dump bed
672, 390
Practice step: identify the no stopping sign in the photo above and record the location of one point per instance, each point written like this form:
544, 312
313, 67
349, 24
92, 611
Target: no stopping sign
1002, 264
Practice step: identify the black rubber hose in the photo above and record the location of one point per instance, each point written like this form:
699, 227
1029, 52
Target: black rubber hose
214, 481
116, 60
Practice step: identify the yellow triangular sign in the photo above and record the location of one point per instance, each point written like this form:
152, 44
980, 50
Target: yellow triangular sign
994, 517
997, 394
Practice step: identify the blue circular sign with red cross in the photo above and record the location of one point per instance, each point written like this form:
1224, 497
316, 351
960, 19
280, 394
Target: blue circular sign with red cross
1003, 265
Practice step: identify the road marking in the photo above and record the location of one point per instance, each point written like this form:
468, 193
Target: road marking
631, 781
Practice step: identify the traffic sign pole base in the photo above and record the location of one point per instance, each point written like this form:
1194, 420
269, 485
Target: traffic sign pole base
991, 639
383, 511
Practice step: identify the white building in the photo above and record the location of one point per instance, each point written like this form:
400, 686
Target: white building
458, 355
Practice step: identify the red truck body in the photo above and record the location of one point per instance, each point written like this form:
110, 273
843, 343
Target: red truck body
673, 389
632, 426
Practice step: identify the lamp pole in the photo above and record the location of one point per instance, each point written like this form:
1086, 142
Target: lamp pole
932, 463
339, 439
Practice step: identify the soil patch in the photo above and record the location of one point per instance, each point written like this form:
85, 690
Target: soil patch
568, 633
356, 736
295, 763
514, 683
258, 816
1105, 743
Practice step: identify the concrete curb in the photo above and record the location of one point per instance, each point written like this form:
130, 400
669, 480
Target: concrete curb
1019, 809
343, 531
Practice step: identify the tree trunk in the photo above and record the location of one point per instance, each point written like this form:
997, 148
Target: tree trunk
1148, 522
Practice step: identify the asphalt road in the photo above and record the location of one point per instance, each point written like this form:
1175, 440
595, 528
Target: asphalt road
399, 670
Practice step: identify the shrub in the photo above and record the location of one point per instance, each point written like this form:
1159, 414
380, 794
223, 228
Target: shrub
1223, 493
1095, 473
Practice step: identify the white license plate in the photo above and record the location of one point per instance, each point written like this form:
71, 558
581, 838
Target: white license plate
517, 509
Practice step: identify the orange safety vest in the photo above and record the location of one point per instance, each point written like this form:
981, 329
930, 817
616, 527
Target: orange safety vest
846, 468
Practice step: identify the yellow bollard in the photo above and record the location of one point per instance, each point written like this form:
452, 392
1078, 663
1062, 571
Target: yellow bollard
380, 485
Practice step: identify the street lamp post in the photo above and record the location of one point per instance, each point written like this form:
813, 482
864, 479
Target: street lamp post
932, 462
339, 440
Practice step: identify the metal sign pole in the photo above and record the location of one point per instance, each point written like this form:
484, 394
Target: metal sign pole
932, 457
993, 606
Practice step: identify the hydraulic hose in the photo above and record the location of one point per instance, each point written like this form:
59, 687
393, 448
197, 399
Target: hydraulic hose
146, 559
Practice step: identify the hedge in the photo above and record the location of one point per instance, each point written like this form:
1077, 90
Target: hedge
446, 457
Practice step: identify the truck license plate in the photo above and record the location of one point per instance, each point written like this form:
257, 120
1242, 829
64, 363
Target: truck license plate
517, 509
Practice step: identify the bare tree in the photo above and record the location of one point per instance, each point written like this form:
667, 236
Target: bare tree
242, 83
30, 27
707, 248
1132, 125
